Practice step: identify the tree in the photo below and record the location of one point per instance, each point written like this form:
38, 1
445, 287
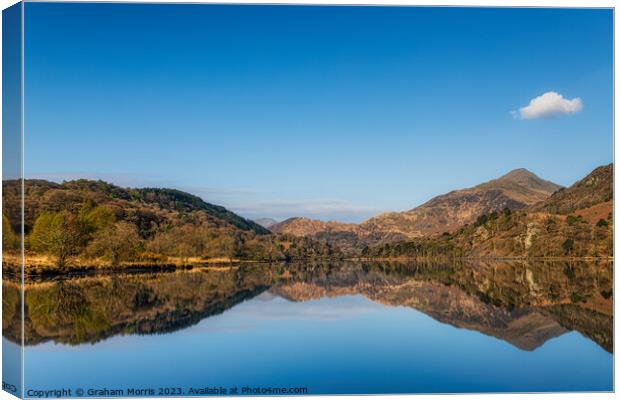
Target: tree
481, 220
10, 241
117, 242
182, 241
184, 250
94, 217
568, 245
602, 223
60, 234
229, 247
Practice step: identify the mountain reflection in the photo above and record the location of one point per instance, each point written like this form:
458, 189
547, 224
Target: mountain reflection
524, 304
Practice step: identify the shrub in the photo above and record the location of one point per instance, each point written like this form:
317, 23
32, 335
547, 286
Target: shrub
568, 245
602, 223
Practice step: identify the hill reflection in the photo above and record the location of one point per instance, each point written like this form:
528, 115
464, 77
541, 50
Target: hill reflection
524, 304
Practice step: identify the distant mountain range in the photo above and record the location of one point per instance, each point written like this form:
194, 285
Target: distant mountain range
517, 214
517, 190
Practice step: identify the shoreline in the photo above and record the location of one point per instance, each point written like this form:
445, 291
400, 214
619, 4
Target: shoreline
487, 258
44, 271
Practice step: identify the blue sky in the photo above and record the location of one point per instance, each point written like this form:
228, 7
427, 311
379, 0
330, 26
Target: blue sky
325, 112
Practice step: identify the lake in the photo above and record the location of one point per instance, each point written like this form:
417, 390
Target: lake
341, 328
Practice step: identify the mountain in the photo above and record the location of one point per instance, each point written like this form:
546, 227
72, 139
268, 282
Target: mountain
300, 226
348, 238
516, 190
529, 180
573, 222
266, 222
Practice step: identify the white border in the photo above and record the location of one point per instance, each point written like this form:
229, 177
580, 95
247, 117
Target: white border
471, 3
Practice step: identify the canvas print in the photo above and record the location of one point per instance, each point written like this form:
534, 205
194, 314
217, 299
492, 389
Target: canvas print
234, 200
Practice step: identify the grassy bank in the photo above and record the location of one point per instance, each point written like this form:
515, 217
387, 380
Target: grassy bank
43, 265
36, 264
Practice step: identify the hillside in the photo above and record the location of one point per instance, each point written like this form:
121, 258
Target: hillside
86, 224
516, 190
574, 222
595, 189
148, 204
349, 238
300, 226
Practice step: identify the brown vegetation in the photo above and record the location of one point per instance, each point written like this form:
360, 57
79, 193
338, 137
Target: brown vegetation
516, 190
92, 224
554, 228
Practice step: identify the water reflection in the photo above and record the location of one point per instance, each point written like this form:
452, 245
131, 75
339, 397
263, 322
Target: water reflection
524, 304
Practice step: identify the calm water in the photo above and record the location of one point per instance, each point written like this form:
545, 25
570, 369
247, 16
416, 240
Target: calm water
348, 328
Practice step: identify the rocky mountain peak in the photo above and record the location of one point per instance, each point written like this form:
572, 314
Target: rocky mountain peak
528, 179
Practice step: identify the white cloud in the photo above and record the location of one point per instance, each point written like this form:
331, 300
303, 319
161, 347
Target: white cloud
549, 105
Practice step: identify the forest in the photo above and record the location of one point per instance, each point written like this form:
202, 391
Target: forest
95, 224
511, 234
